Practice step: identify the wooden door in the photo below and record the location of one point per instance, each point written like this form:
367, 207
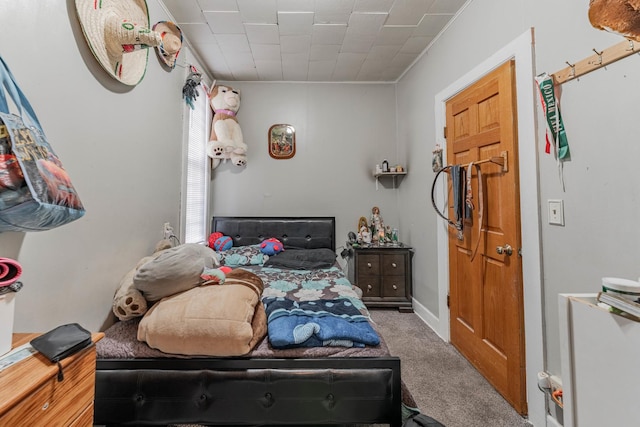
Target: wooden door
485, 295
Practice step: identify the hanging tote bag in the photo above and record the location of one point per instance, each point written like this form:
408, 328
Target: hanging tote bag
35, 191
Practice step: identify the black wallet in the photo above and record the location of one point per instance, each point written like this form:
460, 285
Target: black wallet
62, 342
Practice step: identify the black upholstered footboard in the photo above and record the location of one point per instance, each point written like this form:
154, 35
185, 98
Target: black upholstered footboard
336, 391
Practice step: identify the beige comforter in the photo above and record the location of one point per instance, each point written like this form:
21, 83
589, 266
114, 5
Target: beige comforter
210, 320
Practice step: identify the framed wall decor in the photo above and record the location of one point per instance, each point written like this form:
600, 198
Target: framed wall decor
282, 141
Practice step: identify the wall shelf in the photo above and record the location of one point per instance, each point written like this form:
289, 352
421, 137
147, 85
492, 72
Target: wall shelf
386, 175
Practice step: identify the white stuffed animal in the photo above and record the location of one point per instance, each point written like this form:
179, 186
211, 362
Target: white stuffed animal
226, 140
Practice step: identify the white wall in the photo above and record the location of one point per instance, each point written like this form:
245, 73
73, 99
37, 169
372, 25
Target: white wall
342, 131
601, 199
122, 148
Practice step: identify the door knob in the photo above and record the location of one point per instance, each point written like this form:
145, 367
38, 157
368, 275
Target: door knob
506, 249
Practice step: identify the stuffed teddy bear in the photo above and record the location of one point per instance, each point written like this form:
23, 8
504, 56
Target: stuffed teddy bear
226, 140
271, 246
128, 302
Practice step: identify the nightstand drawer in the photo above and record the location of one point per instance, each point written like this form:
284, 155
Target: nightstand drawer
393, 287
368, 264
370, 285
393, 264
58, 402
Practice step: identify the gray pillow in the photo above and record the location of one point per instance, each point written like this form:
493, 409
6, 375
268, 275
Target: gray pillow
305, 259
174, 270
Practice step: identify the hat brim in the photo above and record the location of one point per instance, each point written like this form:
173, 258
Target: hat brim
129, 68
168, 27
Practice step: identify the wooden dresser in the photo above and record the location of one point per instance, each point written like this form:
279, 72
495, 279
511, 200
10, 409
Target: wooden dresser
31, 394
384, 275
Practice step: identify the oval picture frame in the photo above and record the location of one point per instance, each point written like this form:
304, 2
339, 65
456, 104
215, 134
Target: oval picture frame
282, 141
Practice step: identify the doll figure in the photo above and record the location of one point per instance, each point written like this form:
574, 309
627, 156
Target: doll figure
377, 225
364, 235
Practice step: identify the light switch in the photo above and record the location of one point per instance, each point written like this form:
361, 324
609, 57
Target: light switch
556, 212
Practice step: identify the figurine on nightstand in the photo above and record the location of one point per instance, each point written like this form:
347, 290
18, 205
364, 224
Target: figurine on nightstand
377, 225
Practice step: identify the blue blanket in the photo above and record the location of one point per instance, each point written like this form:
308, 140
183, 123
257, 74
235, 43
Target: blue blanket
317, 323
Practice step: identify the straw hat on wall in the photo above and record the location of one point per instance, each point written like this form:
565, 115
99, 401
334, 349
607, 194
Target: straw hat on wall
171, 36
119, 36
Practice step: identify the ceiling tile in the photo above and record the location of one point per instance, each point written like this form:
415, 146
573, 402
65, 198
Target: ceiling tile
233, 43
266, 51
366, 23
328, 33
394, 35
198, 33
373, 5
446, 6
294, 57
331, 17
247, 74
295, 70
185, 11
431, 25
324, 52
225, 22
321, 70
295, 44
258, 11
262, 33
385, 53
218, 5
403, 60
269, 69
408, 12
296, 5
416, 44
295, 22
333, 11
357, 44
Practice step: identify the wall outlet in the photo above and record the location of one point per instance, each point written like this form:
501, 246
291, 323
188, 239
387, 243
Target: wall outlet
167, 230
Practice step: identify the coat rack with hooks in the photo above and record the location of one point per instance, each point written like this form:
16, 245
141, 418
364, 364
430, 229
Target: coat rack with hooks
596, 61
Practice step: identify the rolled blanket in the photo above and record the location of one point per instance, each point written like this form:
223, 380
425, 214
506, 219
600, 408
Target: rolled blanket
317, 323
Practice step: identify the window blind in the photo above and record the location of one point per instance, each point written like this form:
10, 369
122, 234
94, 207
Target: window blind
197, 171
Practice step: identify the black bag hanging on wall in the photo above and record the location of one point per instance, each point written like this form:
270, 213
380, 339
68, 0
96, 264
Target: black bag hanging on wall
35, 191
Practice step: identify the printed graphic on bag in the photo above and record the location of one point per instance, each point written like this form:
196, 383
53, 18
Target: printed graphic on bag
11, 177
43, 169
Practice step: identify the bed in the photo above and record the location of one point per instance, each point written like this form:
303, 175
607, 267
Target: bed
139, 385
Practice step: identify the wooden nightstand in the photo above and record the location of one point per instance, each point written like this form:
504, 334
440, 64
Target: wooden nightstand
384, 275
33, 396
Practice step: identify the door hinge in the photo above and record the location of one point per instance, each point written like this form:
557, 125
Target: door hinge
447, 301
444, 132
520, 252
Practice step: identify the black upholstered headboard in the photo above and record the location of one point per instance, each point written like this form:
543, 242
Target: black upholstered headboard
293, 232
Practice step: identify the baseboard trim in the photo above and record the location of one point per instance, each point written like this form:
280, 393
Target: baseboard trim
427, 317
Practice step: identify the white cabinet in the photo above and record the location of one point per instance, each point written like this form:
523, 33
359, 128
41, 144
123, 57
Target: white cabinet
600, 356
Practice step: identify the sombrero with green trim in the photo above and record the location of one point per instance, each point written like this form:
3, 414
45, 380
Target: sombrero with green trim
119, 36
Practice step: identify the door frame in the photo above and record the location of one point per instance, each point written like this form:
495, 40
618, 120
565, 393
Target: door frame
522, 50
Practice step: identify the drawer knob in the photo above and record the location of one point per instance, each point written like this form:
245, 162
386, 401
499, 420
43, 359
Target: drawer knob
394, 265
45, 406
369, 264
395, 288
369, 287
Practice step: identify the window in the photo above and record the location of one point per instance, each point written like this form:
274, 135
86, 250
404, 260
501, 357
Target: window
195, 200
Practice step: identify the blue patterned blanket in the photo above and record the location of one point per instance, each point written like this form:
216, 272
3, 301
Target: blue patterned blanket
317, 323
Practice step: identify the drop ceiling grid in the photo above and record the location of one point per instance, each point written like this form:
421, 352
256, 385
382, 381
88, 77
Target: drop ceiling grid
323, 40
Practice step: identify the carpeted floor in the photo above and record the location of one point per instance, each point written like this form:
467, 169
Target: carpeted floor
443, 383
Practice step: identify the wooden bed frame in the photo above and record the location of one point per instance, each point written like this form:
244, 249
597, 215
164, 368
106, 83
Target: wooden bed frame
334, 391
